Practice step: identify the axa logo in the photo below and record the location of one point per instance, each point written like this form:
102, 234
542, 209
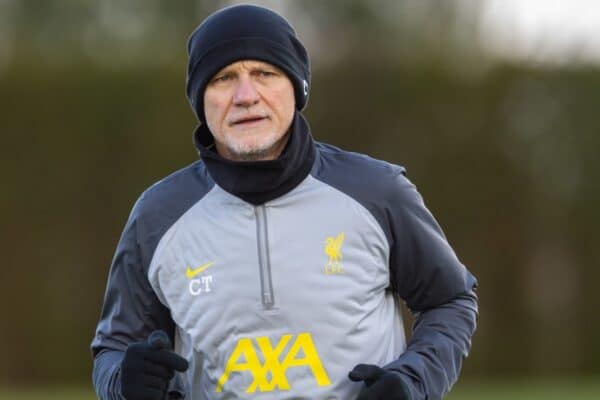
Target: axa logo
202, 284
333, 249
270, 375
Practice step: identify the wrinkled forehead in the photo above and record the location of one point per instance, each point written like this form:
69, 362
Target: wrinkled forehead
248, 65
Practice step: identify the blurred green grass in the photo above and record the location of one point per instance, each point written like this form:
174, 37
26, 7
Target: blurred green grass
575, 389
556, 389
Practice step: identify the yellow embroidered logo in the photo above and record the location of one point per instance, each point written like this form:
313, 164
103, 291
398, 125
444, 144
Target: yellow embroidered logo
333, 249
270, 375
190, 273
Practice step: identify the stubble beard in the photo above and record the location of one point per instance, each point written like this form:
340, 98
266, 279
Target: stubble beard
257, 152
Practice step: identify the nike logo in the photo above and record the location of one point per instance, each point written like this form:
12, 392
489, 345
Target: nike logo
190, 273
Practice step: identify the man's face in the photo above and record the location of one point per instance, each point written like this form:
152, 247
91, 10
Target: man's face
249, 106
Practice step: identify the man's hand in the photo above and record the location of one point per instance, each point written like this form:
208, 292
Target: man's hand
380, 384
147, 368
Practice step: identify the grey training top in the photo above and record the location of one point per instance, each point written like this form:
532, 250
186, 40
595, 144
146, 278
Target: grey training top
282, 298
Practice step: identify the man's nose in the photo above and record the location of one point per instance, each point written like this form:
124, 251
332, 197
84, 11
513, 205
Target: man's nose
245, 93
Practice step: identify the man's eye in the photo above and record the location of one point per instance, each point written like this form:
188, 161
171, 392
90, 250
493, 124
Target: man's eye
266, 73
222, 78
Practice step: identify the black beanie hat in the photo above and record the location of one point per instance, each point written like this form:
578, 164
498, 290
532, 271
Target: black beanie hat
244, 32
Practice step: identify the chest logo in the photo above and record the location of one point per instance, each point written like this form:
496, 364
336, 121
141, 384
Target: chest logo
270, 375
203, 283
333, 249
190, 273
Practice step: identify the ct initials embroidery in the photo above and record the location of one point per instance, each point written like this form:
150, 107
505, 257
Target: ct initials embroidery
203, 283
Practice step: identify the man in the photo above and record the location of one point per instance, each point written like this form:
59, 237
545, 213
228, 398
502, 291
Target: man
274, 264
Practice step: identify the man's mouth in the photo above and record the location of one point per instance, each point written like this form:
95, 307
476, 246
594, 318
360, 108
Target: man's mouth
249, 120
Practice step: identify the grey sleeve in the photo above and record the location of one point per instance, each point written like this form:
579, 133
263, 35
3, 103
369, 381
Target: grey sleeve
106, 375
437, 288
131, 310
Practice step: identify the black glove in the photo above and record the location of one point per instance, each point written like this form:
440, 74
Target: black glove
147, 368
380, 384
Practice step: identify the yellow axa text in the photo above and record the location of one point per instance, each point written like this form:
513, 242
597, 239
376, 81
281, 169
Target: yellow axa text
270, 375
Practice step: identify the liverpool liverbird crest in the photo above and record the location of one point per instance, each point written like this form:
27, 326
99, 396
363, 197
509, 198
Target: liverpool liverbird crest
333, 249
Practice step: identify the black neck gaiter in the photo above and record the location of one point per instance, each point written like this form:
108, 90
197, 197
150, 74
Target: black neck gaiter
260, 181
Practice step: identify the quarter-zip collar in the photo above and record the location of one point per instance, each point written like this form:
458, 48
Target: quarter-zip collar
260, 181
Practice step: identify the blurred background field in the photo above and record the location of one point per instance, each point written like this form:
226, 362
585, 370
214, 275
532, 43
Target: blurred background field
580, 389
492, 106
